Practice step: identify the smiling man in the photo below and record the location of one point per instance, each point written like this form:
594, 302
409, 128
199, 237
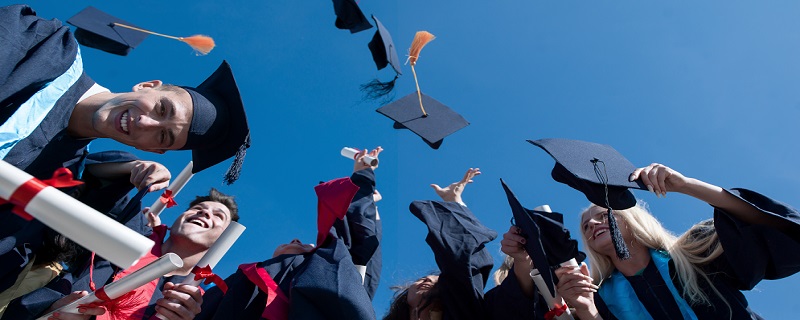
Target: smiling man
190, 236
50, 109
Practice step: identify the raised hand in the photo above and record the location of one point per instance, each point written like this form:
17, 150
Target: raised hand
660, 179
359, 163
145, 173
454, 190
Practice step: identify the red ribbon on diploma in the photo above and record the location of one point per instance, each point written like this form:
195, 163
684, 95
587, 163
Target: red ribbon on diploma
555, 312
62, 178
168, 199
205, 273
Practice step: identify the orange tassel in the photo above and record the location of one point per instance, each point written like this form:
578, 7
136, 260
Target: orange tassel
200, 43
420, 40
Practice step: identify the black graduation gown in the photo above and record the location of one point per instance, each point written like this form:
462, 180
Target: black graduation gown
35, 52
458, 241
771, 254
361, 231
323, 284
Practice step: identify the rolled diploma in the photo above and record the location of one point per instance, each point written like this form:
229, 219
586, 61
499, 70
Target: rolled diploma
217, 250
154, 270
175, 187
539, 281
551, 301
77, 221
351, 153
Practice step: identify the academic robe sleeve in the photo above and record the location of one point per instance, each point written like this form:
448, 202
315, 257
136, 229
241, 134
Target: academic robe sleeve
458, 242
360, 229
771, 254
507, 301
33, 52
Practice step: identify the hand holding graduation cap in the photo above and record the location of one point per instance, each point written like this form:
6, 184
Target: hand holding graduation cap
660, 179
454, 190
513, 244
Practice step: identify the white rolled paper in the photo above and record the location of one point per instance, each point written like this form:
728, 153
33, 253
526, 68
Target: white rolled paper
551, 301
154, 270
77, 221
177, 184
351, 153
539, 281
217, 250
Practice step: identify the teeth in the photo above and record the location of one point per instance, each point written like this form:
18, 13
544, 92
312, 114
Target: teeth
599, 233
124, 122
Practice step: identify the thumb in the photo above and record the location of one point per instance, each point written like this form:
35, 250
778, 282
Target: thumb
584, 268
436, 187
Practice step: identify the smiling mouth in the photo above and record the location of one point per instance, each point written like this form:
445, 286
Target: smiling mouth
124, 122
197, 222
599, 232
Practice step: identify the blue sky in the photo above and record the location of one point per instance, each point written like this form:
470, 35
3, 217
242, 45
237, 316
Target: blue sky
709, 88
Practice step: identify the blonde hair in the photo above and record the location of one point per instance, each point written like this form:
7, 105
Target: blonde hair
689, 252
502, 271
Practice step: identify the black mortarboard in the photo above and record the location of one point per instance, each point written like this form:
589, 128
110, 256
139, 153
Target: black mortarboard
383, 53
96, 30
349, 16
597, 170
533, 238
440, 121
219, 127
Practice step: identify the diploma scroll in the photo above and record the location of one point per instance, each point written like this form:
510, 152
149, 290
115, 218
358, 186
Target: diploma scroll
351, 153
217, 251
174, 188
75, 220
542, 286
154, 270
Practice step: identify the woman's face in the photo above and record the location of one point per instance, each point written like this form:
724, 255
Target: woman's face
419, 288
293, 247
594, 225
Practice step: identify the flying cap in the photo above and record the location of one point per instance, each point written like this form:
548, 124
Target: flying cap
219, 127
383, 53
439, 122
349, 16
600, 172
96, 29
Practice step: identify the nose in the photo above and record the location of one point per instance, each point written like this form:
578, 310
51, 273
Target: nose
296, 241
144, 122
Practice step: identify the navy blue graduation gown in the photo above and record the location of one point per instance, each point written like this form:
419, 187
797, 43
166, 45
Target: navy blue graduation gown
458, 241
35, 54
323, 284
771, 254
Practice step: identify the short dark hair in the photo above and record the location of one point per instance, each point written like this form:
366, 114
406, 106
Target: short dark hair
216, 196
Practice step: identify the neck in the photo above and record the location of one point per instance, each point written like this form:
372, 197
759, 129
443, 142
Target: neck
640, 258
190, 254
80, 121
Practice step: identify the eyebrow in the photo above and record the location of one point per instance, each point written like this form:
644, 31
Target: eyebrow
170, 134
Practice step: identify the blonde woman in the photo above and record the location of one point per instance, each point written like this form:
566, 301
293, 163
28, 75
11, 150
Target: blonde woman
698, 275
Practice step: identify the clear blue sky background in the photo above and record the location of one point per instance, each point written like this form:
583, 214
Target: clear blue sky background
710, 88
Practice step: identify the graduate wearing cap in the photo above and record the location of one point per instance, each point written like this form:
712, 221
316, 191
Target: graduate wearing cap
304, 281
52, 110
458, 241
698, 275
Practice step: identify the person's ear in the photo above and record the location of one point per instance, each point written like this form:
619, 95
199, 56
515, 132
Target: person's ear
147, 84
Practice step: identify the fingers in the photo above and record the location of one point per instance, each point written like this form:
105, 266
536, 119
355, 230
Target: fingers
654, 177
437, 188
180, 301
145, 173
376, 196
471, 173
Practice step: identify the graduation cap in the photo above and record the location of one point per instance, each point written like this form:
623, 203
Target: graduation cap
438, 122
600, 172
349, 16
384, 54
219, 127
100, 30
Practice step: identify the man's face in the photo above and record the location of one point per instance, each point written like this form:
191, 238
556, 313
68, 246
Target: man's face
150, 118
203, 223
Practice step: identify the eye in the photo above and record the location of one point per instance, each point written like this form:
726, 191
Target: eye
162, 137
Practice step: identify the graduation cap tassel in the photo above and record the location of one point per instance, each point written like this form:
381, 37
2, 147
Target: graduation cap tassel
616, 236
375, 89
420, 40
236, 167
200, 43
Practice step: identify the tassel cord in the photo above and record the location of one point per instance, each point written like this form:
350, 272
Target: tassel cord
419, 93
147, 31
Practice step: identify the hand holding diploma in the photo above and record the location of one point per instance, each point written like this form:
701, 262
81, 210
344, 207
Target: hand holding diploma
370, 160
167, 198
